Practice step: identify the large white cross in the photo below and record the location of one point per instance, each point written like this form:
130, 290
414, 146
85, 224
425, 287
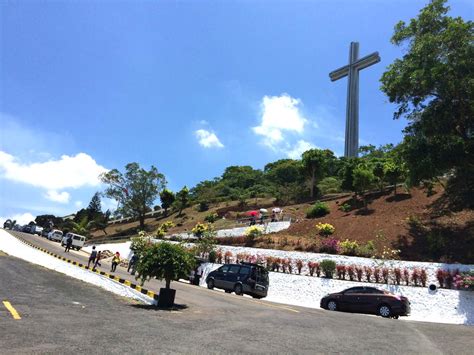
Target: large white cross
351, 70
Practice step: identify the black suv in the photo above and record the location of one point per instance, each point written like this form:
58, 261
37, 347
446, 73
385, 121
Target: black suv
243, 278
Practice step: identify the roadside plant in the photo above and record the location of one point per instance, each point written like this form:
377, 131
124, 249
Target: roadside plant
341, 272
397, 273
367, 250
440, 277
228, 256
212, 256
406, 276
199, 229
330, 246
139, 244
423, 277
289, 263
385, 273
206, 243
376, 274
345, 207
269, 263
328, 267
312, 266
219, 256
211, 217
284, 265
325, 229
359, 271
350, 272
415, 276
368, 273
251, 233
299, 265
464, 281
276, 264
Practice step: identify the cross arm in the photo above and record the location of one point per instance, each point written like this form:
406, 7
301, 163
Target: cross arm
339, 73
367, 61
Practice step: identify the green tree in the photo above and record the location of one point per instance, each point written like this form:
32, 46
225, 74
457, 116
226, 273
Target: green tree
433, 87
94, 207
379, 173
82, 227
362, 180
316, 163
102, 221
136, 190
393, 172
182, 200
164, 261
167, 198
286, 176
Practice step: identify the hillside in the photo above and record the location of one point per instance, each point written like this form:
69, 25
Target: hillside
410, 222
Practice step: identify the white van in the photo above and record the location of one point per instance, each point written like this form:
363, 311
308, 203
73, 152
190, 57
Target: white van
77, 240
55, 235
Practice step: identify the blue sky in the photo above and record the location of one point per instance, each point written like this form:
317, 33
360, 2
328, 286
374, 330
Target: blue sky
190, 87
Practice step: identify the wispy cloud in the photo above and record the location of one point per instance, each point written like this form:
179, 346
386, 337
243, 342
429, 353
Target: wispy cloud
279, 114
299, 148
55, 196
208, 139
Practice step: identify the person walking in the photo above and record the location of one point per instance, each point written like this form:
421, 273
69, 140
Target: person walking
115, 262
68, 244
131, 263
92, 257
97, 260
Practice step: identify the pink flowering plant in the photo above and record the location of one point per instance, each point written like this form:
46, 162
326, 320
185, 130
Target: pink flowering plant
330, 246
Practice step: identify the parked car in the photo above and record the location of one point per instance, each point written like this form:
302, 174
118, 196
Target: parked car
367, 300
77, 240
243, 278
27, 228
37, 230
55, 235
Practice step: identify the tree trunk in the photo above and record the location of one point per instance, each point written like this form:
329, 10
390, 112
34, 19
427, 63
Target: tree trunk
168, 283
395, 189
142, 221
166, 211
311, 188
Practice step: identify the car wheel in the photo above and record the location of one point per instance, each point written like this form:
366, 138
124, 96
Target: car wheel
332, 305
257, 297
210, 284
238, 289
395, 317
385, 311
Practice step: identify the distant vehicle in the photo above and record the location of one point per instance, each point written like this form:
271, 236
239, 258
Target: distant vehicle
37, 230
367, 300
77, 240
243, 278
27, 228
17, 227
55, 235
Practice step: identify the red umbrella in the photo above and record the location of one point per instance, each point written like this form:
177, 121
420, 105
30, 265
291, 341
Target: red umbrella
252, 213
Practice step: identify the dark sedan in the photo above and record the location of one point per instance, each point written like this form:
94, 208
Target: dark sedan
367, 300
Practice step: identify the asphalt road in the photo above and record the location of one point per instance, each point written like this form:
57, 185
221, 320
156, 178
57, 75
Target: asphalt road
64, 315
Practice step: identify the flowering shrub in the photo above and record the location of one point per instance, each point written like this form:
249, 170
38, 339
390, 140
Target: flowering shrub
377, 274
397, 273
228, 256
359, 271
289, 264
330, 246
328, 267
199, 229
314, 266
276, 264
423, 277
284, 265
406, 276
350, 272
219, 256
385, 275
325, 229
464, 281
440, 277
254, 231
368, 273
299, 266
415, 276
349, 247
341, 272
390, 254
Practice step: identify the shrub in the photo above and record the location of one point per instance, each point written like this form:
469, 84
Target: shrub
341, 271
368, 250
385, 273
359, 271
448, 279
349, 247
276, 264
330, 246
269, 263
284, 265
211, 217
423, 277
345, 207
299, 266
329, 185
464, 281
350, 272
199, 229
406, 276
325, 229
212, 256
318, 269
289, 264
203, 206
415, 276
368, 273
397, 273
377, 274
228, 256
219, 256
319, 209
313, 266
440, 277
328, 267
253, 232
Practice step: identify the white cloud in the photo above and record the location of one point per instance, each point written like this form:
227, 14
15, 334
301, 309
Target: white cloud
68, 172
299, 148
208, 139
279, 114
23, 218
61, 197
78, 204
